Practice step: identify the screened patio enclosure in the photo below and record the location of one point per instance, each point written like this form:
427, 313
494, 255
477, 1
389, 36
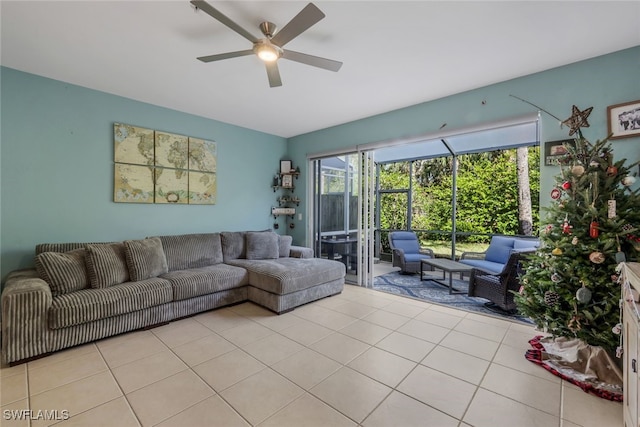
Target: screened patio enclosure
348, 198
496, 139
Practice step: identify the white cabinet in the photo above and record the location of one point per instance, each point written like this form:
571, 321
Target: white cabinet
630, 320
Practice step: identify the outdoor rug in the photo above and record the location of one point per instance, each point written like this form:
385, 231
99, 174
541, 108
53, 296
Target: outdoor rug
428, 290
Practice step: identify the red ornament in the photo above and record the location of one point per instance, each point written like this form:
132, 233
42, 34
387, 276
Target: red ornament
593, 229
566, 185
612, 171
555, 194
566, 228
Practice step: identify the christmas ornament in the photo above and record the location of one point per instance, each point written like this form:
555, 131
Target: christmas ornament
555, 194
620, 256
574, 324
619, 352
577, 170
566, 185
593, 229
555, 277
594, 164
611, 208
548, 228
556, 251
566, 228
617, 329
612, 171
551, 298
574, 241
596, 257
628, 180
577, 120
583, 295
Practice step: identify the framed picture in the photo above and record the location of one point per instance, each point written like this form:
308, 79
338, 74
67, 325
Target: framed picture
285, 166
287, 181
624, 119
553, 150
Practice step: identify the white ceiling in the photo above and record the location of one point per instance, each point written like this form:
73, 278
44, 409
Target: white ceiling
395, 54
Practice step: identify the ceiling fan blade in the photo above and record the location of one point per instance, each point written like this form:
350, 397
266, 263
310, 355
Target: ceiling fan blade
216, 14
300, 23
274, 74
218, 57
315, 61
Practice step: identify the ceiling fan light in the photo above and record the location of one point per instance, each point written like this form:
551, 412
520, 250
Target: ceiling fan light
267, 52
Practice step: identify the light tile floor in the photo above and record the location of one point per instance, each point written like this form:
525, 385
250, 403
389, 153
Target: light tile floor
358, 358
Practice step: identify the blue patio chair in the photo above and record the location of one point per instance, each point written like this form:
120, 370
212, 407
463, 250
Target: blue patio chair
406, 252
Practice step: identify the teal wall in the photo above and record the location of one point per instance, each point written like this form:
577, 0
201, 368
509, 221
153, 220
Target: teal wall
56, 159
57, 170
598, 83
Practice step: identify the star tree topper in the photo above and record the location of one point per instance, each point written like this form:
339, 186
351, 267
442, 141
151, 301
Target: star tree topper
577, 120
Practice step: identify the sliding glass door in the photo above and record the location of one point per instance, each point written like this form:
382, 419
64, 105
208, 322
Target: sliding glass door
341, 183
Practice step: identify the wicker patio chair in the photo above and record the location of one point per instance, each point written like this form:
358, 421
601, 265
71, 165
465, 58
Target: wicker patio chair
497, 287
406, 252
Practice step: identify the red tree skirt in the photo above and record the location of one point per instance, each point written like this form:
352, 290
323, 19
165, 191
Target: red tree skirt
537, 356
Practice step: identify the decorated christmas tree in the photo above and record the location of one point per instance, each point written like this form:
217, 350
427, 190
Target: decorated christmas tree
570, 286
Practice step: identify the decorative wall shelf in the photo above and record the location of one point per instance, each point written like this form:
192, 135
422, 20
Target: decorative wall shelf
283, 181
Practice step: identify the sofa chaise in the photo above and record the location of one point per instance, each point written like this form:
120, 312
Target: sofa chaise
81, 292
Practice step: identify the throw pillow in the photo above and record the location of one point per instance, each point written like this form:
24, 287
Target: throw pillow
262, 245
530, 244
65, 272
185, 251
284, 242
499, 249
233, 245
145, 258
106, 265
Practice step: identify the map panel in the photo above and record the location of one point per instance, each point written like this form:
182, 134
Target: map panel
202, 188
202, 155
172, 186
171, 150
161, 167
133, 144
133, 184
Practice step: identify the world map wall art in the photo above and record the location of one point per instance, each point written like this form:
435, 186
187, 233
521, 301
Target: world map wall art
158, 167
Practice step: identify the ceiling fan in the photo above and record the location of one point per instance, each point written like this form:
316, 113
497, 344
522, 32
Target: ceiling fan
270, 48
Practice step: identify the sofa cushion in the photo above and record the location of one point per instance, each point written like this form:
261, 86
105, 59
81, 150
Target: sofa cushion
233, 245
65, 272
499, 249
205, 280
285, 275
192, 250
524, 244
106, 265
93, 304
415, 257
145, 258
262, 245
284, 243
64, 247
407, 241
488, 266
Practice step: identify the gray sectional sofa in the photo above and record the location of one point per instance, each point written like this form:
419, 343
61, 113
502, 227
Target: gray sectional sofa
81, 292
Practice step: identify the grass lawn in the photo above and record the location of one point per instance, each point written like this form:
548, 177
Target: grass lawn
443, 249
